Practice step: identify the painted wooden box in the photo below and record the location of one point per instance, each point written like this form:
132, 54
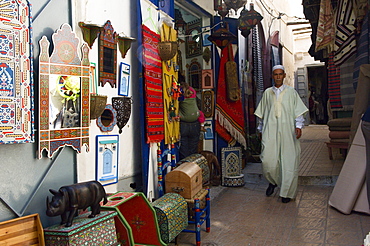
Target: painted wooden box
26, 230
84, 231
172, 215
185, 180
137, 221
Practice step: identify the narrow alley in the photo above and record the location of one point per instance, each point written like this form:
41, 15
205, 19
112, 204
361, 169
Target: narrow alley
245, 216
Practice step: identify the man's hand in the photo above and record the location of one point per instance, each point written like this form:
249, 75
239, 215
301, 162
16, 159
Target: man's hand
298, 133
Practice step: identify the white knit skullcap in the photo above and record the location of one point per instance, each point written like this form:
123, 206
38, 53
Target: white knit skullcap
278, 67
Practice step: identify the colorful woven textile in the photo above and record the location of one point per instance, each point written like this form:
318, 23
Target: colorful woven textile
345, 40
229, 115
334, 83
153, 86
257, 64
362, 56
325, 28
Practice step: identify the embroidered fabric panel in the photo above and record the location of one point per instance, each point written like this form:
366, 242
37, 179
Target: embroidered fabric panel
16, 81
64, 93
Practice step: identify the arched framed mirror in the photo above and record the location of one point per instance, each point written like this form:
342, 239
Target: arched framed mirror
63, 93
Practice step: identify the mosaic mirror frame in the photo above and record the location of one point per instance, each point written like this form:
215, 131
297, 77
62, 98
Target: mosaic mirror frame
108, 39
16, 71
63, 64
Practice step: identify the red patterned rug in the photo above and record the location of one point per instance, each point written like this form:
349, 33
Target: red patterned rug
153, 86
334, 83
229, 115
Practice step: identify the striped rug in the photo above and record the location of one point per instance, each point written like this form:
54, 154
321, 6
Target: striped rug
153, 86
334, 83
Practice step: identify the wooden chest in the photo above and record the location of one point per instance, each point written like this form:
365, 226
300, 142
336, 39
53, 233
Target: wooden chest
185, 180
84, 231
172, 215
25, 230
202, 162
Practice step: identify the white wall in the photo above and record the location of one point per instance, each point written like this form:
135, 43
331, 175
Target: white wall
206, 5
122, 15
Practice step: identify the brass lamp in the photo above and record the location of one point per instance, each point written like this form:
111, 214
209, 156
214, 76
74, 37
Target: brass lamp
235, 4
180, 24
222, 37
248, 19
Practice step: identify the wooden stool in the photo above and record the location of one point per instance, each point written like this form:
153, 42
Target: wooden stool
340, 145
199, 212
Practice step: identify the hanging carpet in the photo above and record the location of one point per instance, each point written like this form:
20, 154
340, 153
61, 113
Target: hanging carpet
229, 115
153, 86
334, 83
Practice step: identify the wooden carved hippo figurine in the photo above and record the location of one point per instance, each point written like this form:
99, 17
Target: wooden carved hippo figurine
73, 197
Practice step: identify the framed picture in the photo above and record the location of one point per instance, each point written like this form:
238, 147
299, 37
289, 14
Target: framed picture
193, 44
107, 159
205, 35
124, 79
207, 79
208, 134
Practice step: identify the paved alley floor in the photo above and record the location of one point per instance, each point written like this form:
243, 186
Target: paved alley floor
243, 216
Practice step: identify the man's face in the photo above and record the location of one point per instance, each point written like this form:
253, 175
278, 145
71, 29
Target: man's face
278, 75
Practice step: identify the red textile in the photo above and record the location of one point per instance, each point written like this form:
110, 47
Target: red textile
334, 83
153, 86
229, 115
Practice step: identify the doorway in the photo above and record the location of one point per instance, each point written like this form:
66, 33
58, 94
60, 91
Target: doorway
317, 94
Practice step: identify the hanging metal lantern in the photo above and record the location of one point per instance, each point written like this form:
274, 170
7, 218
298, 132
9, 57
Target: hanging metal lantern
248, 19
235, 4
223, 10
222, 37
217, 4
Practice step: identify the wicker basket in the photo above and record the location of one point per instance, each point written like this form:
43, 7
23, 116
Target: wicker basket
97, 105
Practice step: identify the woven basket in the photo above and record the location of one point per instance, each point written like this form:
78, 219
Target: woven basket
167, 50
97, 105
